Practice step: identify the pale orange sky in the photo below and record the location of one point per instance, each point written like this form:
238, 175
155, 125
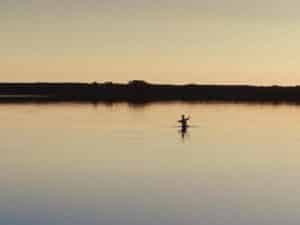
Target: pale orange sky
254, 42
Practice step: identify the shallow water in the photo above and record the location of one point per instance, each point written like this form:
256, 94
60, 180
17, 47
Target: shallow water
78, 164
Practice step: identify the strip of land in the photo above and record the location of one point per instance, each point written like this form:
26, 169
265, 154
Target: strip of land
142, 92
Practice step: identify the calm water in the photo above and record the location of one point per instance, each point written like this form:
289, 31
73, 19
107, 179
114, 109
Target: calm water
72, 164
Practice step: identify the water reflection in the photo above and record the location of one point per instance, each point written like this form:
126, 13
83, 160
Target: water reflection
123, 165
184, 132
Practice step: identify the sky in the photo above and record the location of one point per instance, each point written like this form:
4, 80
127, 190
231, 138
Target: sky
162, 41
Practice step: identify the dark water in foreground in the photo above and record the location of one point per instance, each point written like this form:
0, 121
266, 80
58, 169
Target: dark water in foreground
122, 165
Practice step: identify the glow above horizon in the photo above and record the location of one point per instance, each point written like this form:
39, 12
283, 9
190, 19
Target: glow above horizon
253, 42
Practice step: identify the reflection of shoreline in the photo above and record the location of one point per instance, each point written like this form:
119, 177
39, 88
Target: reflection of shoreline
141, 92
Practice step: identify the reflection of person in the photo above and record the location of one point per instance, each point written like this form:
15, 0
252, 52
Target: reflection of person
183, 132
183, 121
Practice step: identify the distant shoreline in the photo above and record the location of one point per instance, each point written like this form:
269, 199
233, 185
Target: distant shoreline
143, 92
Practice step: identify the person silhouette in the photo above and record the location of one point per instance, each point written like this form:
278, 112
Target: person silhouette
183, 125
183, 122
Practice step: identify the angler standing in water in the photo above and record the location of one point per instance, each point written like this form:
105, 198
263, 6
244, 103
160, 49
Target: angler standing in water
184, 125
183, 121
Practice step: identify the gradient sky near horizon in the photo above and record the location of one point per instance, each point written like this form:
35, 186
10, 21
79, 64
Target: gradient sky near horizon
174, 41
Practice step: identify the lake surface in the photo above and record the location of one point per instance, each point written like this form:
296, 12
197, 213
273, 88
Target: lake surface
85, 164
